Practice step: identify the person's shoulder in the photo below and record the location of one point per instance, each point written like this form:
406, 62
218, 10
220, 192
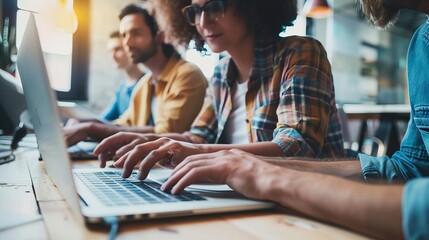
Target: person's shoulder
186, 67
187, 73
142, 82
121, 86
298, 42
424, 26
422, 31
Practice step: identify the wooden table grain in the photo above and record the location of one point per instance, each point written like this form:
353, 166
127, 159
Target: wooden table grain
57, 221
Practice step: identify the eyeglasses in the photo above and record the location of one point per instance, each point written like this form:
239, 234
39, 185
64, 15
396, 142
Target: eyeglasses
213, 10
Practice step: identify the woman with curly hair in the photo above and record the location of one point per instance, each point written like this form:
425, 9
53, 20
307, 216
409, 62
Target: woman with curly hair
270, 96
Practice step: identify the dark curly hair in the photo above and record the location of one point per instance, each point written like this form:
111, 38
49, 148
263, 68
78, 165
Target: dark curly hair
267, 18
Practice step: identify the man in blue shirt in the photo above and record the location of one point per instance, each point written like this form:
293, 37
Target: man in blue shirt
383, 211
120, 102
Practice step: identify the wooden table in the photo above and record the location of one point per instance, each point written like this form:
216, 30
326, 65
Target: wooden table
56, 221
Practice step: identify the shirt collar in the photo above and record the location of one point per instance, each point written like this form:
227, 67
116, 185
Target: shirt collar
167, 72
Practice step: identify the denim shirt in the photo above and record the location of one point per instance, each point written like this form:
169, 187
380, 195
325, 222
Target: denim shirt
412, 160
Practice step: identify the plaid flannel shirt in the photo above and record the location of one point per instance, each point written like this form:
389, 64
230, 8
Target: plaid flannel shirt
290, 100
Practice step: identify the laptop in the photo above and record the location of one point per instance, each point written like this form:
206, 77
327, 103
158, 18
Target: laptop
12, 102
94, 195
14, 114
74, 110
82, 150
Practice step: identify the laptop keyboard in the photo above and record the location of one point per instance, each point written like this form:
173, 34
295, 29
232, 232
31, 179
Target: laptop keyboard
113, 190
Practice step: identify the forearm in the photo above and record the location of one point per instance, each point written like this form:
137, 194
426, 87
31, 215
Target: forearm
261, 148
370, 209
100, 131
150, 130
145, 129
176, 136
348, 168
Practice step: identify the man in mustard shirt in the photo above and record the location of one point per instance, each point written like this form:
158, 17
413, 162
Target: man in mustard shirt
165, 100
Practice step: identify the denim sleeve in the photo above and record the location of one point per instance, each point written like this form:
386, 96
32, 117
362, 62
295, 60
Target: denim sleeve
377, 168
409, 162
400, 167
415, 209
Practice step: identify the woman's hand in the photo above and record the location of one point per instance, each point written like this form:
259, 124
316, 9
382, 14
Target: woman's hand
77, 132
118, 145
164, 151
242, 171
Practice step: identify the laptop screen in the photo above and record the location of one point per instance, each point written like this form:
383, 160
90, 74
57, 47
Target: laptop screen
42, 106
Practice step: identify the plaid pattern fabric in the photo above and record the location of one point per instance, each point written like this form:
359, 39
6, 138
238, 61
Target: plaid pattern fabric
290, 100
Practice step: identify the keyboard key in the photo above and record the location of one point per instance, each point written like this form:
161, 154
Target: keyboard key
114, 190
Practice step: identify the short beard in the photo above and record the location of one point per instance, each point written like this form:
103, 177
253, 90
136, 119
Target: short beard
379, 13
146, 53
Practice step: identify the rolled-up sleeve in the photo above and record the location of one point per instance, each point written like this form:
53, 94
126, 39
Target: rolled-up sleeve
409, 162
399, 167
415, 209
378, 168
306, 100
